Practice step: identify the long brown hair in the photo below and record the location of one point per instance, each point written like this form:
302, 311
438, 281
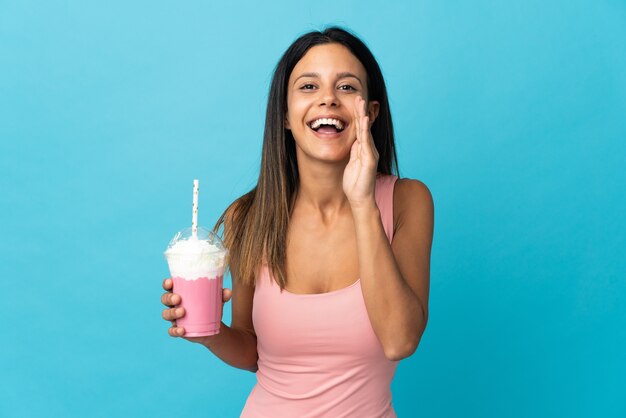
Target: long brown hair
255, 225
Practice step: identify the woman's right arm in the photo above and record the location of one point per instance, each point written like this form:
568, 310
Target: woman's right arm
238, 345
235, 345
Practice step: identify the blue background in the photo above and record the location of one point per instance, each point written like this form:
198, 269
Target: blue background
513, 113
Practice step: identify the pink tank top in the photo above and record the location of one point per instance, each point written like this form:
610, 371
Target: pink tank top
318, 354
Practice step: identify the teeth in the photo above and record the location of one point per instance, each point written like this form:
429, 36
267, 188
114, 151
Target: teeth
327, 121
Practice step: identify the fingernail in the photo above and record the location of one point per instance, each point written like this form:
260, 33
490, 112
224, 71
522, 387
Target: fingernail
179, 311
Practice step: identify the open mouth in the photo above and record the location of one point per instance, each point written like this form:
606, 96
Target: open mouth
327, 125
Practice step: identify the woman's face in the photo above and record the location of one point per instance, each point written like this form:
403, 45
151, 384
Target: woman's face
321, 102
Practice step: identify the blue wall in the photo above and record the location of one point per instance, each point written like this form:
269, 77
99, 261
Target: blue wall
513, 113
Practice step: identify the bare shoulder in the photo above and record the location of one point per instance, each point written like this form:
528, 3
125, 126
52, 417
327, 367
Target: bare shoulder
412, 200
410, 189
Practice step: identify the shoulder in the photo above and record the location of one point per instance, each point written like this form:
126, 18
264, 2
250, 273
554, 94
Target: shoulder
409, 193
412, 200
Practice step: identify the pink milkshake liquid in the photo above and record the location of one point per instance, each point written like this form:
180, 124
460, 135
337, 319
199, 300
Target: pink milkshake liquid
202, 301
197, 269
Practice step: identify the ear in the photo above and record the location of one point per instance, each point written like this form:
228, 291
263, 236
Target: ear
373, 108
286, 124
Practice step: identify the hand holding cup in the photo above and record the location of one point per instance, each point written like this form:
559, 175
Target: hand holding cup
175, 311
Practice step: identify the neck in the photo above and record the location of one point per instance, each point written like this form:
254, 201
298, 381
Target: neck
320, 188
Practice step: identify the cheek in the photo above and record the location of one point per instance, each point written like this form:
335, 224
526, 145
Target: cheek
292, 113
349, 108
291, 122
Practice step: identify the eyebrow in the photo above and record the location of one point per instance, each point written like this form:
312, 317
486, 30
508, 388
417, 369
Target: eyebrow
339, 75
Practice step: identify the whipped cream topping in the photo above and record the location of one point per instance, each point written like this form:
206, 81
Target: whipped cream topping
193, 258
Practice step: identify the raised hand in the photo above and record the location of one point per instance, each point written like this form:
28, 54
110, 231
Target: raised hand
359, 177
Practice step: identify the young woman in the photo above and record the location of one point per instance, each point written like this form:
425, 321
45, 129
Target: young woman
329, 254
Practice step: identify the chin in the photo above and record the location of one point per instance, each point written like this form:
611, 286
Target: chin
329, 153
335, 158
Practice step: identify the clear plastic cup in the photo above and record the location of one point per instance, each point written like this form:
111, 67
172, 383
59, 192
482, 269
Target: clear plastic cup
197, 268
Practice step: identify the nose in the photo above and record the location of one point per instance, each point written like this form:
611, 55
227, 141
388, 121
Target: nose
328, 97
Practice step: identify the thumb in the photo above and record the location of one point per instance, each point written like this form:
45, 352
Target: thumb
226, 295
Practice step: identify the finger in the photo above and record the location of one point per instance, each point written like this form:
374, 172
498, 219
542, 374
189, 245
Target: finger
365, 135
365, 127
168, 284
226, 295
355, 117
170, 299
354, 150
167, 315
175, 331
173, 314
371, 145
358, 106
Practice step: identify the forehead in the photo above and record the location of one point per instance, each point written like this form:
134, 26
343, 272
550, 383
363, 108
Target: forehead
328, 59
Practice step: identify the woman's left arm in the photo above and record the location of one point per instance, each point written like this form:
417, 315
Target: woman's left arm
395, 278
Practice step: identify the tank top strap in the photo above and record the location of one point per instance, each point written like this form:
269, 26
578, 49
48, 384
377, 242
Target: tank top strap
384, 199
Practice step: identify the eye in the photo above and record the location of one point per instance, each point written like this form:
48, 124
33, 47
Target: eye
307, 87
347, 87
